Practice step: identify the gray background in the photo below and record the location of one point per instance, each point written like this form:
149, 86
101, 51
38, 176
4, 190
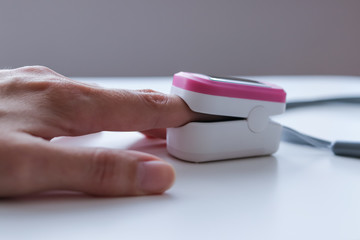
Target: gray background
154, 38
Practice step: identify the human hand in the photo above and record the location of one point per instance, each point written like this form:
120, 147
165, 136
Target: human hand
38, 104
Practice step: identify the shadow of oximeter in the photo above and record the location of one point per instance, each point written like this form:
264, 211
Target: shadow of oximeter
251, 102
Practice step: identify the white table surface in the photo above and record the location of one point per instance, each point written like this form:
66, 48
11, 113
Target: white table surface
298, 193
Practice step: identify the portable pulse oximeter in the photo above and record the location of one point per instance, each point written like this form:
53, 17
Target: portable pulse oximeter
250, 102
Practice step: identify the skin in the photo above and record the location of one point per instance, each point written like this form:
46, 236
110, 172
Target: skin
38, 104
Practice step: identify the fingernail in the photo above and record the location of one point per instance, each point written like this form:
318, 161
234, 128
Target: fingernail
155, 176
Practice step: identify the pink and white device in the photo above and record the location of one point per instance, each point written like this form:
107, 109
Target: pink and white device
250, 102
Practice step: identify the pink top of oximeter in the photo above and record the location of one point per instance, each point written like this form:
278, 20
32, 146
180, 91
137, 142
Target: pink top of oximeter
229, 87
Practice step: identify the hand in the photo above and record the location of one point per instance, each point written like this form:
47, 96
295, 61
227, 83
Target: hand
38, 104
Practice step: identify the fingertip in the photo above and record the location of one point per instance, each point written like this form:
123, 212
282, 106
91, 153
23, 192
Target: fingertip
154, 177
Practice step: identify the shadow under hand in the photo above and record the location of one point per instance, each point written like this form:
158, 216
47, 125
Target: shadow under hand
55, 203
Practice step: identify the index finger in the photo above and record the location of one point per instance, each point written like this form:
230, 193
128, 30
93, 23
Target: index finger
94, 109
143, 110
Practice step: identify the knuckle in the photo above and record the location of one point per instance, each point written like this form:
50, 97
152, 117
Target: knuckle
37, 69
157, 103
147, 90
12, 85
23, 79
154, 99
18, 84
43, 85
15, 83
112, 176
103, 171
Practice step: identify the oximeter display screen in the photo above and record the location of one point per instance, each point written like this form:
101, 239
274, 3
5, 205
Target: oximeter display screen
238, 81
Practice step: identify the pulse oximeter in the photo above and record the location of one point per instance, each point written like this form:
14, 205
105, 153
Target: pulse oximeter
250, 132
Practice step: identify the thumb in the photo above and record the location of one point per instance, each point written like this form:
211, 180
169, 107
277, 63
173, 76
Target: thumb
97, 171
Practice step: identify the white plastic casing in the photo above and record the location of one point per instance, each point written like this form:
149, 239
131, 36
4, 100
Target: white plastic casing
256, 135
